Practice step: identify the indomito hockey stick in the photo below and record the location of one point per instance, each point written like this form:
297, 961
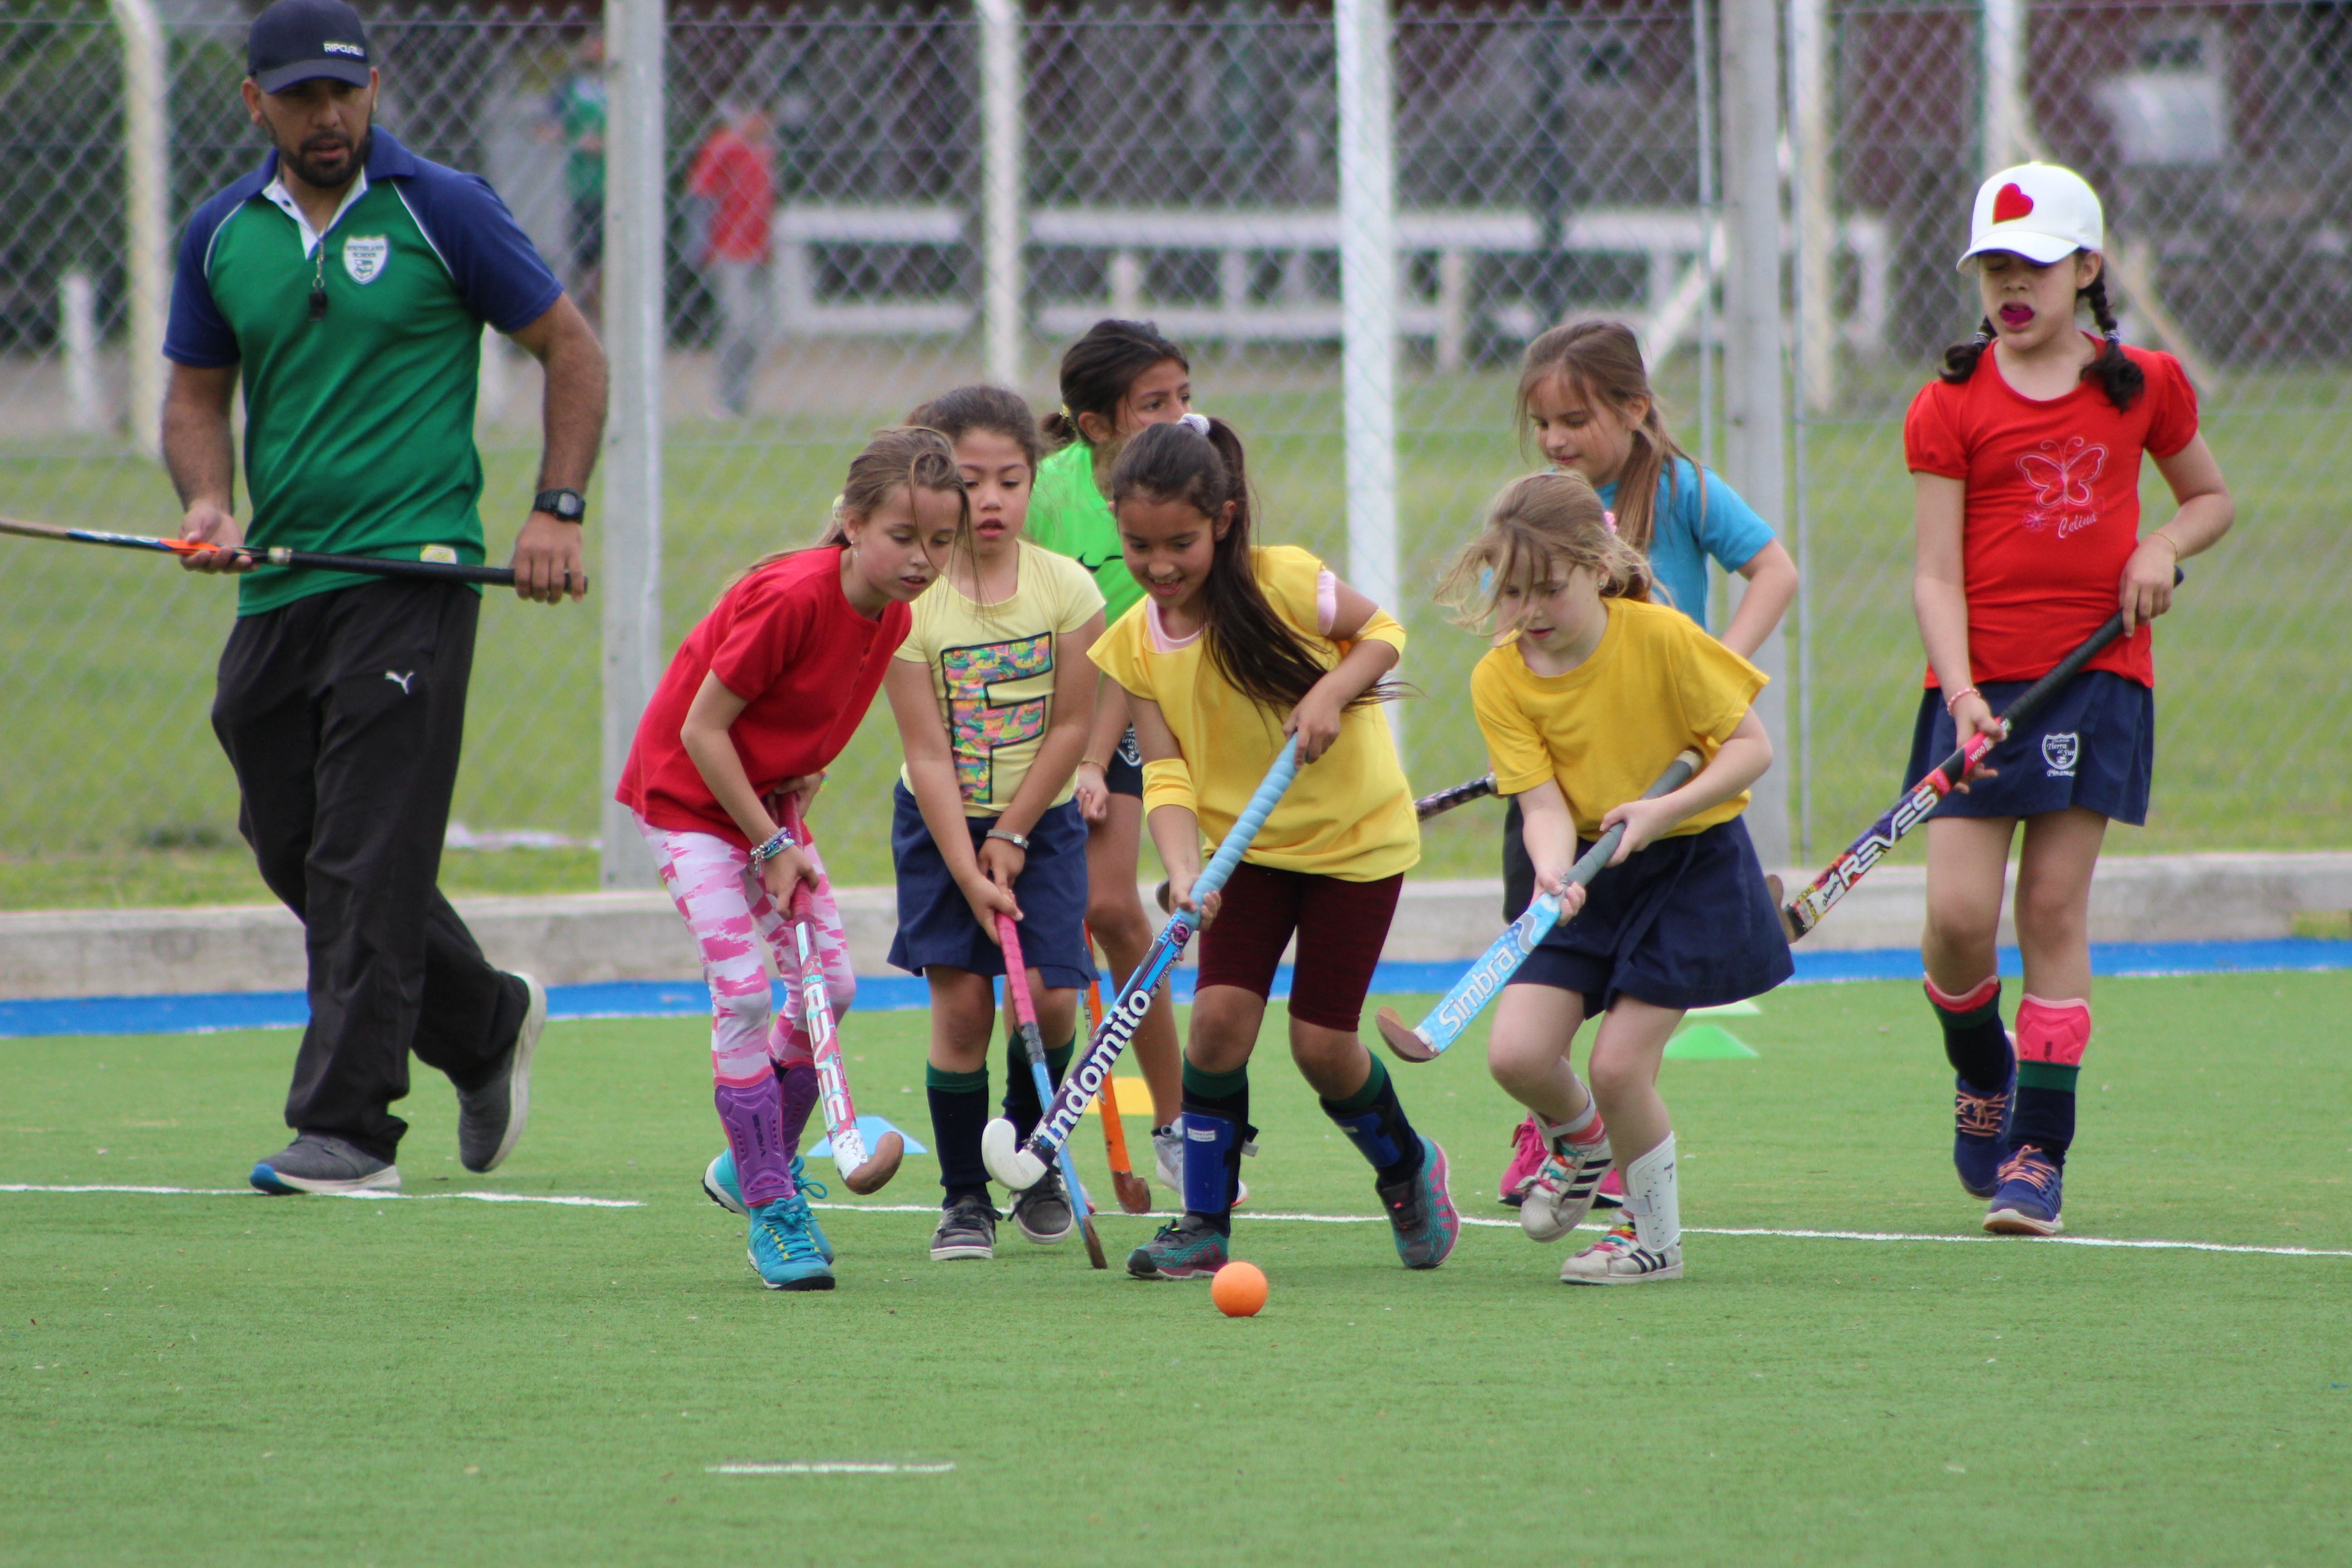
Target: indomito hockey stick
860, 1172
1803, 913
1022, 1167
309, 559
1024, 1014
1426, 1041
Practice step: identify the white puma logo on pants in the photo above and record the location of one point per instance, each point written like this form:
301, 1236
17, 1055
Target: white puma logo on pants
400, 681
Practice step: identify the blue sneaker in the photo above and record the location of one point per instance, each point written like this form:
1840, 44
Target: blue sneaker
1187, 1248
783, 1251
1981, 1133
2027, 1202
718, 1185
1422, 1214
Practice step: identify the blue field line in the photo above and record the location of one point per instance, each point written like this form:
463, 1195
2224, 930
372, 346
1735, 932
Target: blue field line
205, 1013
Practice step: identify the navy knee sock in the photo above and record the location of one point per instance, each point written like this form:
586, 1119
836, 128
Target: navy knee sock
1216, 1129
1375, 1123
958, 1112
1974, 1042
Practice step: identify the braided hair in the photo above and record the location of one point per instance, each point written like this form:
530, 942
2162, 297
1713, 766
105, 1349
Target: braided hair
2118, 377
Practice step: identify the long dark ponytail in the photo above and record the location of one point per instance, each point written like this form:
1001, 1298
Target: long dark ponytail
2119, 378
1199, 462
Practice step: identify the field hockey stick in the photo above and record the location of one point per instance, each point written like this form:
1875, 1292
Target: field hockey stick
1803, 913
1427, 806
1021, 1166
1025, 1015
305, 560
861, 1172
1454, 1013
1134, 1192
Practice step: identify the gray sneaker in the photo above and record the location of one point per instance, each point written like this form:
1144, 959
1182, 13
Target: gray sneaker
490, 1118
967, 1229
317, 1163
1042, 1214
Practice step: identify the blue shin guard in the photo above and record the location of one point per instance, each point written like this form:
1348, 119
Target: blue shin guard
1212, 1163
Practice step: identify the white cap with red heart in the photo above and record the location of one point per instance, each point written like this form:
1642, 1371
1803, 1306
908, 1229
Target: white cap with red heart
2039, 211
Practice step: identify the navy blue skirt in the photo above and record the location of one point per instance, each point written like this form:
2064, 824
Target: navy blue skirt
2092, 745
936, 924
1685, 922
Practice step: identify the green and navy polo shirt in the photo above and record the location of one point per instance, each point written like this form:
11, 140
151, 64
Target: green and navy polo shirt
359, 429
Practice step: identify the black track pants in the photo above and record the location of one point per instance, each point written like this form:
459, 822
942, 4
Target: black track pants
343, 714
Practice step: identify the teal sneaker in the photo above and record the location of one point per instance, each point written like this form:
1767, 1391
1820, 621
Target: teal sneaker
719, 1186
783, 1251
1420, 1211
1187, 1248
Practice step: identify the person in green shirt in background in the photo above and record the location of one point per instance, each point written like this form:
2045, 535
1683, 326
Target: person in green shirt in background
576, 118
1117, 379
344, 285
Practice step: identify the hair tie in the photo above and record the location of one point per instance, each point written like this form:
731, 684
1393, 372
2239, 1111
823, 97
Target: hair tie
1983, 338
1609, 520
1196, 422
2115, 337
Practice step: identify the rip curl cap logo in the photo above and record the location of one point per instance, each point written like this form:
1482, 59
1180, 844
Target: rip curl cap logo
364, 256
2059, 750
2010, 204
354, 51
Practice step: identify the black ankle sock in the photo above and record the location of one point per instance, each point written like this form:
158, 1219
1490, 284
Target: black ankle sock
1375, 1122
958, 1112
1975, 1043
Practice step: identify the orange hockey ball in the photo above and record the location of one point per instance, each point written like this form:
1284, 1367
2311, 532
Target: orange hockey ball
1238, 1289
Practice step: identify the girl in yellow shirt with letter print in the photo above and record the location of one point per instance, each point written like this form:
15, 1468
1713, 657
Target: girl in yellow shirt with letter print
1589, 694
1234, 653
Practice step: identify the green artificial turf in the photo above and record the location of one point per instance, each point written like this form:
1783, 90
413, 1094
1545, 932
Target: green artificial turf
191, 1379
106, 658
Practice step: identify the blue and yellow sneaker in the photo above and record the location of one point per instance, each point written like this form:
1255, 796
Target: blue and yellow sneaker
1981, 1132
1420, 1211
2027, 1202
719, 1186
783, 1254
1187, 1248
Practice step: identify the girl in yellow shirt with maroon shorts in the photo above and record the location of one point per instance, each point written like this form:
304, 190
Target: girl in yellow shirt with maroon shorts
1233, 654
1591, 694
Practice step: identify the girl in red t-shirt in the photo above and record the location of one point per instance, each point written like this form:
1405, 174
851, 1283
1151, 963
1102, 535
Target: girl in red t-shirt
2026, 454
760, 697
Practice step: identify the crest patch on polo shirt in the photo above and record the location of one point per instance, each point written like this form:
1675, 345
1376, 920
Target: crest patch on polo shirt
364, 256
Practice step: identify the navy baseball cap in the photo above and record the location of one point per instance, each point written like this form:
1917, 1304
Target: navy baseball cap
302, 40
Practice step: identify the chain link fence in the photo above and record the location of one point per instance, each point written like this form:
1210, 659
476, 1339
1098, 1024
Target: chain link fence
1182, 165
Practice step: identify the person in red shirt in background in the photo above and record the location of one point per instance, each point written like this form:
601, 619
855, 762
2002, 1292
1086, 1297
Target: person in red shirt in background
2026, 456
732, 188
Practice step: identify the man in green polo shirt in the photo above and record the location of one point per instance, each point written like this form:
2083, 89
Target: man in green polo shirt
344, 285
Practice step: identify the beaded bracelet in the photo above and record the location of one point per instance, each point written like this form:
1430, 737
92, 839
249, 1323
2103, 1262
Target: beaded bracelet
1953, 700
780, 841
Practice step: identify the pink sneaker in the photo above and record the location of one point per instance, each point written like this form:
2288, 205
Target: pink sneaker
1611, 1193
1528, 1152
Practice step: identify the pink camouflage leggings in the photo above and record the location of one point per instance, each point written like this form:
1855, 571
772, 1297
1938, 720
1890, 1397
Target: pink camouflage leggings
736, 926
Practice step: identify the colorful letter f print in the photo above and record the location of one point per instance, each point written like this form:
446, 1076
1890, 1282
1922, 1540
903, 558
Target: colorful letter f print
977, 725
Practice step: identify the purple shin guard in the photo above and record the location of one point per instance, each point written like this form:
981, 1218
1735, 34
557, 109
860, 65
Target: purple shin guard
752, 1115
797, 1087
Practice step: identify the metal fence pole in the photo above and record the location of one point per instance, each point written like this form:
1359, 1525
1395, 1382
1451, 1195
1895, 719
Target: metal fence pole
1755, 405
1000, 178
1368, 293
635, 331
1816, 351
2003, 83
147, 167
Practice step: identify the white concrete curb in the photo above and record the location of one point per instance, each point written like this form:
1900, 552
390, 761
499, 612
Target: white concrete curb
582, 937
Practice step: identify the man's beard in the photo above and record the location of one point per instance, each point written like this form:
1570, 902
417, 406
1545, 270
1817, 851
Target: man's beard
319, 178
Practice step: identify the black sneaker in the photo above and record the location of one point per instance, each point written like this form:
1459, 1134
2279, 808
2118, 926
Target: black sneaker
967, 1229
490, 1118
317, 1163
1042, 1212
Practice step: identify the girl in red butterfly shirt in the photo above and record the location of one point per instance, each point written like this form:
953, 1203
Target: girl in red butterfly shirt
2026, 455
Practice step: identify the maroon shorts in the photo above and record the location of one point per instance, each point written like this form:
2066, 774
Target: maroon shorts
1341, 926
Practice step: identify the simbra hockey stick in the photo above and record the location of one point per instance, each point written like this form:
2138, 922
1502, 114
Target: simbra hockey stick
1024, 1014
860, 1172
1020, 1167
1427, 806
1495, 967
1803, 913
309, 559
1134, 1192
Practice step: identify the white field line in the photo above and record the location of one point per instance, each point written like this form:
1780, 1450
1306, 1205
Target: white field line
1246, 1214
827, 1468
394, 1197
